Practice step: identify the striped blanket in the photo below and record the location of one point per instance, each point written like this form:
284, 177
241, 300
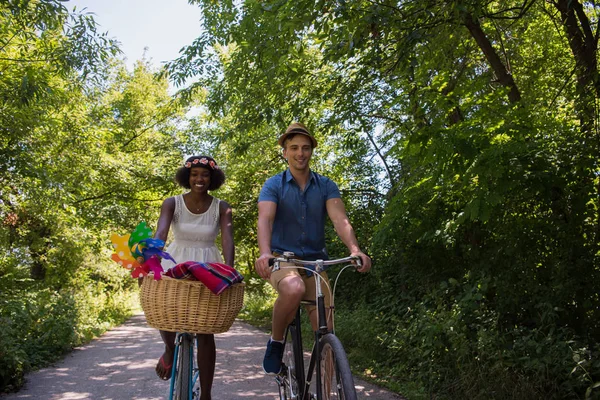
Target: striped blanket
215, 276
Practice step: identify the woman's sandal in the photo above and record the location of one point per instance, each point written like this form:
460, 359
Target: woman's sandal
165, 368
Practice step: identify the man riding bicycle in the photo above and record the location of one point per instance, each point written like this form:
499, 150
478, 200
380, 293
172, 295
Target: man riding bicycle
292, 207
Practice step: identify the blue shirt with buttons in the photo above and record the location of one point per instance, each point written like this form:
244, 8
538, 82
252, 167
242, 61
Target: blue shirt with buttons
299, 224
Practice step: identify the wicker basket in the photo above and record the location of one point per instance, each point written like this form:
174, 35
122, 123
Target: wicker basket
178, 305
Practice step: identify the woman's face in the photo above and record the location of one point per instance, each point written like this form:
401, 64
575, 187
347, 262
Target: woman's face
199, 179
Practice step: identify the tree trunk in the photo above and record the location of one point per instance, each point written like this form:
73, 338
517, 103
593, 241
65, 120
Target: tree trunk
584, 44
502, 74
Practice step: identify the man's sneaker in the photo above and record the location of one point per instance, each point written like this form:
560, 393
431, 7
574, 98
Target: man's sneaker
273, 355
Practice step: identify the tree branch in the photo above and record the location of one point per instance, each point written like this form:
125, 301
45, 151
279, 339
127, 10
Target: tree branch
362, 191
504, 77
8, 41
381, 156
24, 60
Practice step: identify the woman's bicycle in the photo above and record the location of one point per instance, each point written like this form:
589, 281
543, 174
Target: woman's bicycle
188, 308
184, 373
328, 360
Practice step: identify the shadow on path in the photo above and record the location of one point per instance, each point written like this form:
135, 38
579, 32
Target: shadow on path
120, 366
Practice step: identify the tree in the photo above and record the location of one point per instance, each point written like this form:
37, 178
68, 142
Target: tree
491, 157
87, 148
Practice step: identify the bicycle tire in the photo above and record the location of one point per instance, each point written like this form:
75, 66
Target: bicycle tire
184, 365
336, 378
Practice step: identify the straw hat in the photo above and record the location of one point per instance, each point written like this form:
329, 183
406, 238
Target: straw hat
297, 128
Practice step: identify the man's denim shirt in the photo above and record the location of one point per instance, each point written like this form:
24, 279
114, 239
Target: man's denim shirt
299, 224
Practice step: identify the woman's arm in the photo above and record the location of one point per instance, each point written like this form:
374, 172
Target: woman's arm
226, 223
164, 221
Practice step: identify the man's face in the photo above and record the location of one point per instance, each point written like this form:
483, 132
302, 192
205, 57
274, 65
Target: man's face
298, 151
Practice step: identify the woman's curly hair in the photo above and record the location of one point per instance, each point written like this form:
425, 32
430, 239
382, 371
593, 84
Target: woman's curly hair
217, 176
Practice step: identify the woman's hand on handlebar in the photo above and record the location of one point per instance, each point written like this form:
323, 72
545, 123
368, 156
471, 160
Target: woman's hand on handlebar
365, 264
262, 265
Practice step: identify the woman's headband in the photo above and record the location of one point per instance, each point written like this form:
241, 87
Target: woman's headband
204, 162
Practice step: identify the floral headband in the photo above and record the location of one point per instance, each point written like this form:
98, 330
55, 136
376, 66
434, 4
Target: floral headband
204, 161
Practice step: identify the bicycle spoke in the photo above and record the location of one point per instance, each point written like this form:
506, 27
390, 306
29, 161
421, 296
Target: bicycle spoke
327, 372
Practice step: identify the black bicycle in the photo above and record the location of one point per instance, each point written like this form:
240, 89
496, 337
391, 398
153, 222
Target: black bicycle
328, 360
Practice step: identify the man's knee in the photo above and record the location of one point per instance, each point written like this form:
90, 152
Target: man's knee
291, 287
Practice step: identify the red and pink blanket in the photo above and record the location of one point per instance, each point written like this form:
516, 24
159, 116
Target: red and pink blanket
215, 276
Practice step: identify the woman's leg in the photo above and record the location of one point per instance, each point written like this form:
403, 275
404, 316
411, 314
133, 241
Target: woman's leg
163, 367
207, 355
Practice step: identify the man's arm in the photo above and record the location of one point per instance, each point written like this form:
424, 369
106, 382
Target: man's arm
337, 213
266, 216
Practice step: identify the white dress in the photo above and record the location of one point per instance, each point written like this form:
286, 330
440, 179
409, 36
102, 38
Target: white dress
194, 235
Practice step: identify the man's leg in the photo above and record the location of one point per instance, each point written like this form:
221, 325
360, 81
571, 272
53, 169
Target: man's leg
290, 289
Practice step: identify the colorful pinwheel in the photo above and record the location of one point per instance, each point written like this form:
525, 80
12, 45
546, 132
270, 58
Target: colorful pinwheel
139, 252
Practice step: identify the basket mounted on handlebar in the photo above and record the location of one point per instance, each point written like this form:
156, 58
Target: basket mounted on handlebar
179, 305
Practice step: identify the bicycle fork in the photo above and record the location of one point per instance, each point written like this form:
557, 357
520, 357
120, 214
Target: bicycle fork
174, 367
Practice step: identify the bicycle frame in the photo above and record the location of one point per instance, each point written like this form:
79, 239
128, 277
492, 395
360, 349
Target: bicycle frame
303, 376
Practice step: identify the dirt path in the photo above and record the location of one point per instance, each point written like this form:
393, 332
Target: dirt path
120, 366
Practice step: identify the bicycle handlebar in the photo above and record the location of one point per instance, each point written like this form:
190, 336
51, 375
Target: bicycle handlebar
288, 257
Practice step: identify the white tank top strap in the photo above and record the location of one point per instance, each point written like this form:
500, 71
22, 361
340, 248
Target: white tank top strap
178, 206
216, 209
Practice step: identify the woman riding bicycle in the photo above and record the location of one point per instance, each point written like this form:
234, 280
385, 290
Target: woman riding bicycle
292, 207
196, 218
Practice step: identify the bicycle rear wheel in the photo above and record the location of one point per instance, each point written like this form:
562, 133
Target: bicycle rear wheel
336, 377
183, 378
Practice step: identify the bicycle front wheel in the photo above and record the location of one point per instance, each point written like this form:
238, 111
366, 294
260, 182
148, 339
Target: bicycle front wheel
183, 378
336, 377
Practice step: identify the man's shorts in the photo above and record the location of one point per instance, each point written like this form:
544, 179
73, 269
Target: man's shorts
309, 284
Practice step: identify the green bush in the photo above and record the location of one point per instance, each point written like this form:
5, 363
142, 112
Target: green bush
450, 344
37, 327
39, 324
259, 298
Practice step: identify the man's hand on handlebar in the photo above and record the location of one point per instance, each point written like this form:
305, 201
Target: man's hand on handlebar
262, 265
365, 261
